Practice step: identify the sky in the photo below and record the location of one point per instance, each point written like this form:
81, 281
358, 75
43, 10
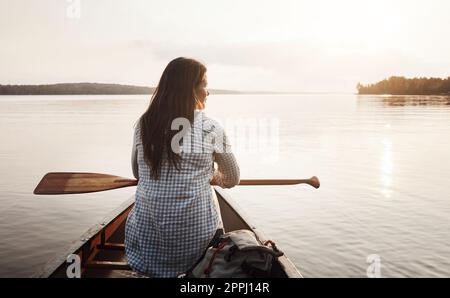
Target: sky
249, 45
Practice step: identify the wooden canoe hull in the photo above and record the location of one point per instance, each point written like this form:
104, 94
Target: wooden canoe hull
102, 252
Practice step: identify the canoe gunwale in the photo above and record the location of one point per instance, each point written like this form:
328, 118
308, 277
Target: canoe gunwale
80, 245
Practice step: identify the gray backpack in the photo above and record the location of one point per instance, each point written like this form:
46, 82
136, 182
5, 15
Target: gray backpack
237, 254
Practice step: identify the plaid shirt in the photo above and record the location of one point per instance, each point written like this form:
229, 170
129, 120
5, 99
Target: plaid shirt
175, 217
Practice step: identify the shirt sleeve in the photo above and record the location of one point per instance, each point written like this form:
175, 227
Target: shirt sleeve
134, 164
227, 175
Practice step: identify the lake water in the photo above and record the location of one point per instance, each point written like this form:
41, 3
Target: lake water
384, 165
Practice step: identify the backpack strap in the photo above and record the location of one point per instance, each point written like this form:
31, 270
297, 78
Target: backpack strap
207, 270
274, 247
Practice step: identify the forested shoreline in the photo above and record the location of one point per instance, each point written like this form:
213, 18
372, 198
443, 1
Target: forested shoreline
73, 88
84, 89
404, 86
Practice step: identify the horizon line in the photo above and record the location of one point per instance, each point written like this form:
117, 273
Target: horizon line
237, 92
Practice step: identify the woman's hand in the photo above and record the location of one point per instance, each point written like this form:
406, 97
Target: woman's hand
216, 179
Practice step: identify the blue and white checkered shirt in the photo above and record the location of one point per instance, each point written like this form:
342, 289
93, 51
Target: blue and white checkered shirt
175, 217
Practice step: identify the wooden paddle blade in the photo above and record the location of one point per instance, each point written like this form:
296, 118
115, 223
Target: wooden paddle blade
73, 183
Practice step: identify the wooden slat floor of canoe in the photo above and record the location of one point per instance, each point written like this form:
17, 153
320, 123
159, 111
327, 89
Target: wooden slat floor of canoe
114, 233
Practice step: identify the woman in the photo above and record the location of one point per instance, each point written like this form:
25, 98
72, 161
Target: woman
175, 215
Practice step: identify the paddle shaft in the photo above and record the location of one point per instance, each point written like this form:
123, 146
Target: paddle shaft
134, 182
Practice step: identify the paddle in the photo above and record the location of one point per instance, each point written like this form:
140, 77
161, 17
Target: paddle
72, 183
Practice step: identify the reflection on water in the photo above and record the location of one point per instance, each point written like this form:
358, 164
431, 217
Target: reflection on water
387, 167
409, 100
384, 164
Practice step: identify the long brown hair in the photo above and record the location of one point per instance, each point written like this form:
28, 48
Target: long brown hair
174, 97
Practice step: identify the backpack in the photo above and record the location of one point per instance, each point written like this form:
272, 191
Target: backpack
237, 254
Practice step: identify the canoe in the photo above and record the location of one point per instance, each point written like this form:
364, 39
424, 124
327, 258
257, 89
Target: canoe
101, 249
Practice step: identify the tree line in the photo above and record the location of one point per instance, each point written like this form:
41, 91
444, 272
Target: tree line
403, 86
86, 89
73, 88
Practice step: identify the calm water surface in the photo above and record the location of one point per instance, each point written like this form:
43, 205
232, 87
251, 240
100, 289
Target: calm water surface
384, 164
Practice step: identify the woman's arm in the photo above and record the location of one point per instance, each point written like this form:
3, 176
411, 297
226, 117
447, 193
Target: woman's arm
134, 164
227, 175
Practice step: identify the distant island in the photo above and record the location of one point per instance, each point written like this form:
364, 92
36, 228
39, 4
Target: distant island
85, 89
405, 86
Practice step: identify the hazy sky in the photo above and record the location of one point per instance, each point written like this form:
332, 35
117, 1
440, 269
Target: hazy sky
282, 45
